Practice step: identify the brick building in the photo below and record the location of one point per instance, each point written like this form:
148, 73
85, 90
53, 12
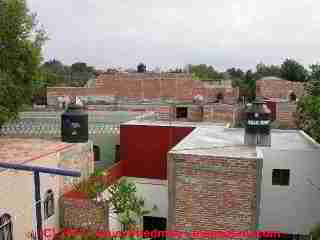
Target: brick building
282, 97
212, 180
137, 87
273, 87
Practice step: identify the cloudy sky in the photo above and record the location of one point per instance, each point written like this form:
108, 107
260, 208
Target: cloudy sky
169, 33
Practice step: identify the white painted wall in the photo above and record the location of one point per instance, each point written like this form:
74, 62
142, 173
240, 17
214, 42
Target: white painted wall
154, 192
294, 208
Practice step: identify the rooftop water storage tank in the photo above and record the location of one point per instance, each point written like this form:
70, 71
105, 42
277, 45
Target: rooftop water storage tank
257, 128
74, 125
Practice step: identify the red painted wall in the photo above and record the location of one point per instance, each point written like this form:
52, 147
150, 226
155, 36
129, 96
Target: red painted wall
143, 149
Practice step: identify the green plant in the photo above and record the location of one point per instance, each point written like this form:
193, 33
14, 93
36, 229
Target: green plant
93, 186
315, 232
128, 206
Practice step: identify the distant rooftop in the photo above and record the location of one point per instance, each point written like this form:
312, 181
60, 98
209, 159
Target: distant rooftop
220, 141
21, 150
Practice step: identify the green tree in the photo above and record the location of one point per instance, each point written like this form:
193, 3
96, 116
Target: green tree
21, 41
76, 75
204, 72
293, 71
127, 205
79, 67
235, 73
313, 85
308, 110
263, 70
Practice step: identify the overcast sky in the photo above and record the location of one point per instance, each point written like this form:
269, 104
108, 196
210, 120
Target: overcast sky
169, 33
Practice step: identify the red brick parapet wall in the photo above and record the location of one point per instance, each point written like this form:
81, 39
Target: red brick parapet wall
147, 86
209, 193
278, 88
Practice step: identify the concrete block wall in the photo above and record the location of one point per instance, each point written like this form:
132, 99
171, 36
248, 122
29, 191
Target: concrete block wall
209, 193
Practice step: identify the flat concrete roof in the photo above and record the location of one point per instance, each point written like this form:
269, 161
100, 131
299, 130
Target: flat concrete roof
22, 150
171, 123
229, 142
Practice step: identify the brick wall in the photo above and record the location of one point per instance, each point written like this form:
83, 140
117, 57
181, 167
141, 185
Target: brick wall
209, 193
286, 114
278, 88
220, 113
146, 86
216, 112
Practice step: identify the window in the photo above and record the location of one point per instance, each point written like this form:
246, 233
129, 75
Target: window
96, 153
5, 227
48, 204
181, 112
280, 177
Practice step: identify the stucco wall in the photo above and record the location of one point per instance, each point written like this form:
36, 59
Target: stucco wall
144, 148
153, 191
17, 188
293, 208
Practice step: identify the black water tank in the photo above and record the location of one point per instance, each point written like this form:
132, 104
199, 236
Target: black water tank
258, 118
74, 125
141, 68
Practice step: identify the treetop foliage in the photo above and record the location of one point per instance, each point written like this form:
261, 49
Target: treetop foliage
21, 40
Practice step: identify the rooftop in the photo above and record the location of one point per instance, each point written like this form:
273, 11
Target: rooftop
171, 123
220, 141
22, 150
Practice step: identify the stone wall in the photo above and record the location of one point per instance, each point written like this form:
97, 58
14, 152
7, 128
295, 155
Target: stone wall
278, 88
209, 193
84, 213
143, 87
